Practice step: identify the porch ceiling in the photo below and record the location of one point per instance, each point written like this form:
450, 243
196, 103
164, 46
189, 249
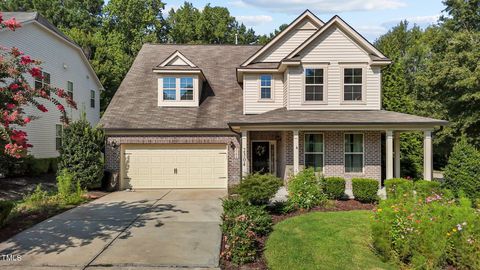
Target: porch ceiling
326, 118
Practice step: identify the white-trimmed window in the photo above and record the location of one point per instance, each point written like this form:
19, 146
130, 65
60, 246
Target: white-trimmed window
354, 152
43, 81
70, 88
58, 136
266, 86
169, 88
352, 84
313, 151
186, 88
314, 79
92, 98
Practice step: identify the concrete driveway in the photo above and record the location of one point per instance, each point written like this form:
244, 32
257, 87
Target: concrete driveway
130, 230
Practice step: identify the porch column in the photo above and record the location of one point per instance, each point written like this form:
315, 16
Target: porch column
245, 169
396, 144
389, 154
296, 152
427, 155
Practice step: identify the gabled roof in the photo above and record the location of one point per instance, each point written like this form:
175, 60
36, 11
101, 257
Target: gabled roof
177, 56
34, 17
307, 14
352, 33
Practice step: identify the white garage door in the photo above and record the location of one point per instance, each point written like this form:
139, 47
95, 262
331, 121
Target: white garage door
164, 166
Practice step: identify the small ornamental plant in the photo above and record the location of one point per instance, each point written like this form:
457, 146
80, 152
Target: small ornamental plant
16, 94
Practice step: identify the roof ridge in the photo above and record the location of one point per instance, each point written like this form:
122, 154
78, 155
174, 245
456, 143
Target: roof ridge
188, 44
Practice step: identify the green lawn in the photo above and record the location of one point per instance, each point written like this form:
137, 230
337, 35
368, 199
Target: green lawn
324, 240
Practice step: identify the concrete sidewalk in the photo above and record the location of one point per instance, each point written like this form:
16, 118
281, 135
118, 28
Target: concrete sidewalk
126, 230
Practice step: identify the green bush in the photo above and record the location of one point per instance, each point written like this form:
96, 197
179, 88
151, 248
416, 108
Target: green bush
258, 189
12, 167
334, 187
6, 208
81, 153
38, 199
435, 233
39, 166
462, 172
398, 187
69, 192
365, 189
305, 191
242, 226
426, 188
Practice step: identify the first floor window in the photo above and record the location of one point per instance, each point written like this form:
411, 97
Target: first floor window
352, 84
58, 136
353, 152
169, 88
70, 88
313, 84
92, 99
313, 149
186, 88
265, 86
42, 82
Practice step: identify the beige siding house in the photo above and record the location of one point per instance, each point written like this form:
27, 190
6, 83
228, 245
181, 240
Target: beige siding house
203, 116
65, 66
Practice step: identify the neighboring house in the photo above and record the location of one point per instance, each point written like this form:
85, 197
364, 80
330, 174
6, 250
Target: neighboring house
202, 116
64, 65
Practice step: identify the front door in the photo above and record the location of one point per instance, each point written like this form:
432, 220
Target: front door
263, 157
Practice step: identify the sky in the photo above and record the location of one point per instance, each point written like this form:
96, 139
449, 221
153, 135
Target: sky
371, 18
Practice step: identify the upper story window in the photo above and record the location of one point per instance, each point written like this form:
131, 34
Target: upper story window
58, 136
353, 152
265, 86
314, 84
169, 88
186, 88
43, 81
352, 84
92, 98
313, 151
70, 88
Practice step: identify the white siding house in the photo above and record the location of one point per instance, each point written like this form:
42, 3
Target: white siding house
67, 66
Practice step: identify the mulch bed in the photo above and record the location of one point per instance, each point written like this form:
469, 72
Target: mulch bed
261, 263
14, 188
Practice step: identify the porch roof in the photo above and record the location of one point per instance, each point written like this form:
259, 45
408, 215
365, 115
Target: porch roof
286, 117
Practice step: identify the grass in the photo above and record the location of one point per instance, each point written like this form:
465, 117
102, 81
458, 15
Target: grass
324, 240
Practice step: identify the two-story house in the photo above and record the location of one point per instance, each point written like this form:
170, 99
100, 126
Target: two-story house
201, 116
64, 65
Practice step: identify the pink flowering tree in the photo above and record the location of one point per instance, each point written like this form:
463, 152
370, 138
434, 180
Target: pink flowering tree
16, 93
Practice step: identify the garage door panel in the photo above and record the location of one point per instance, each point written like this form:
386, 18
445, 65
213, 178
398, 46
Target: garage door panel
153, 166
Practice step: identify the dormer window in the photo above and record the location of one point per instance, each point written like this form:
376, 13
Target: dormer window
186, 88
178, 90
169, 88
265, 86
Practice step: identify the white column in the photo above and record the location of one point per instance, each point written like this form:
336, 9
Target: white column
389, 153
396, 144
427, 155
296, 152
245, 163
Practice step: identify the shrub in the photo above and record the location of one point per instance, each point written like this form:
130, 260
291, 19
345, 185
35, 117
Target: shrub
398, 187
426, 188
81, 153
242, 225
428, 234
39, 166
258, 189
69, 192
463, 169
365, 189
305, 191
11, 166
38, 199
334, 187
6, 208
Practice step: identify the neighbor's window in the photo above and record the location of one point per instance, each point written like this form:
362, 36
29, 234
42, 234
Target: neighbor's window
58, 136
352, 84
44, 81
313, 150
70, 88
186, 88
92, 99
353, 152
265, 86
313, 84
169, 88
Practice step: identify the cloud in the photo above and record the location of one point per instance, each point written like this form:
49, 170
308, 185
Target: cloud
321, 6
422, 21
254, 20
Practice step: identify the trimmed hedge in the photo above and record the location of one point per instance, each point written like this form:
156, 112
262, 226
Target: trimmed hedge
365, 189
334, 187
398, 187
6, 208
258, 189
426, 188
